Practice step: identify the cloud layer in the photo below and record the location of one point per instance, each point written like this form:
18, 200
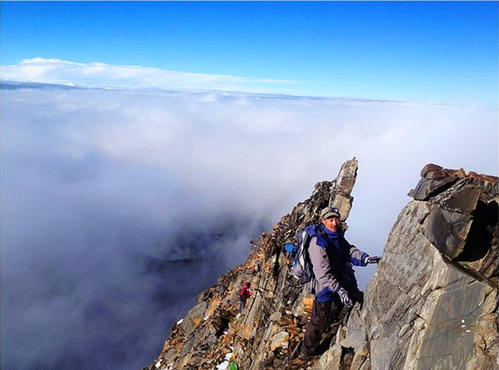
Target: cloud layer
103, 75
111, 198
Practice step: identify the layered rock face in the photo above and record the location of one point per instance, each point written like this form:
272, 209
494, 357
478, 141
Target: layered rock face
432, 303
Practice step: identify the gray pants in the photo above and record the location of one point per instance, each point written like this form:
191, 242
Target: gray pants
242, 303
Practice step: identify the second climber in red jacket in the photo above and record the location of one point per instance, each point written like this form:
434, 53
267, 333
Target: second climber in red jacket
244, 294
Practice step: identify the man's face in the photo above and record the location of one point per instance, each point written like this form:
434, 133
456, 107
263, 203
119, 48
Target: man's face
331, 224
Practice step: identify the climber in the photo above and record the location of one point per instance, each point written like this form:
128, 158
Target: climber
244, 294
334, 281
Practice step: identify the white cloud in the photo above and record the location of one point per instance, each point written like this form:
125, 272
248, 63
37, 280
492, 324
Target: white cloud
124, 76
248, 148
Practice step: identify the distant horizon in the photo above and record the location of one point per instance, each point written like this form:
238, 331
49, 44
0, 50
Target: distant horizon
6, 83
424, 51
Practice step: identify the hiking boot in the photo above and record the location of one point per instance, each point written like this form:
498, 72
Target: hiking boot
303, 361
305, 357
297, 363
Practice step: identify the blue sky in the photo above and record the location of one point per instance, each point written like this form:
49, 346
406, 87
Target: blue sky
424, 51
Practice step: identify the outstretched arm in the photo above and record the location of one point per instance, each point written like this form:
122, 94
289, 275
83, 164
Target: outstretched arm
359, 258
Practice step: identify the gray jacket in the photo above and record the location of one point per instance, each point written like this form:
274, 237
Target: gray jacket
333, 268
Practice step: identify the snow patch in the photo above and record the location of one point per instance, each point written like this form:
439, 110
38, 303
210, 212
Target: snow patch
226, 362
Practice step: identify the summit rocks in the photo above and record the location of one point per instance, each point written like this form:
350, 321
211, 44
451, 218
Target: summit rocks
431, 304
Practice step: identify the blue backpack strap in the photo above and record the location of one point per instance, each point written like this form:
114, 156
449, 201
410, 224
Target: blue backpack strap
316, 231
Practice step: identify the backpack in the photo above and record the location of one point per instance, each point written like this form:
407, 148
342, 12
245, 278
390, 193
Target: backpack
301, 266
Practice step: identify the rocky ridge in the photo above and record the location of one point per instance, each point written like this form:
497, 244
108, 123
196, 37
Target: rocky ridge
431, 304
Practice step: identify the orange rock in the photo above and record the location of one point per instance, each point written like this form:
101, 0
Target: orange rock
214, 303
196, 321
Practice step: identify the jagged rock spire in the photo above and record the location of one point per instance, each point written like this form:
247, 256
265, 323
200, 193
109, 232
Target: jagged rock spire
340, 196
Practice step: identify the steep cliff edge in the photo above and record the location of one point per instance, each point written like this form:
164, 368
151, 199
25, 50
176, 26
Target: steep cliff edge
431, 304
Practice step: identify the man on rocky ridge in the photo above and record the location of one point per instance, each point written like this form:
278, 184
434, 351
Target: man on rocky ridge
244, 294
334, 282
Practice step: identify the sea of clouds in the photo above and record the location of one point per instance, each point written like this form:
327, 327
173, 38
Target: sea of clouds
120, 205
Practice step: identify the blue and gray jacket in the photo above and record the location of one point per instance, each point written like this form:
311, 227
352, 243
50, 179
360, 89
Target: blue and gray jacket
332, 258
